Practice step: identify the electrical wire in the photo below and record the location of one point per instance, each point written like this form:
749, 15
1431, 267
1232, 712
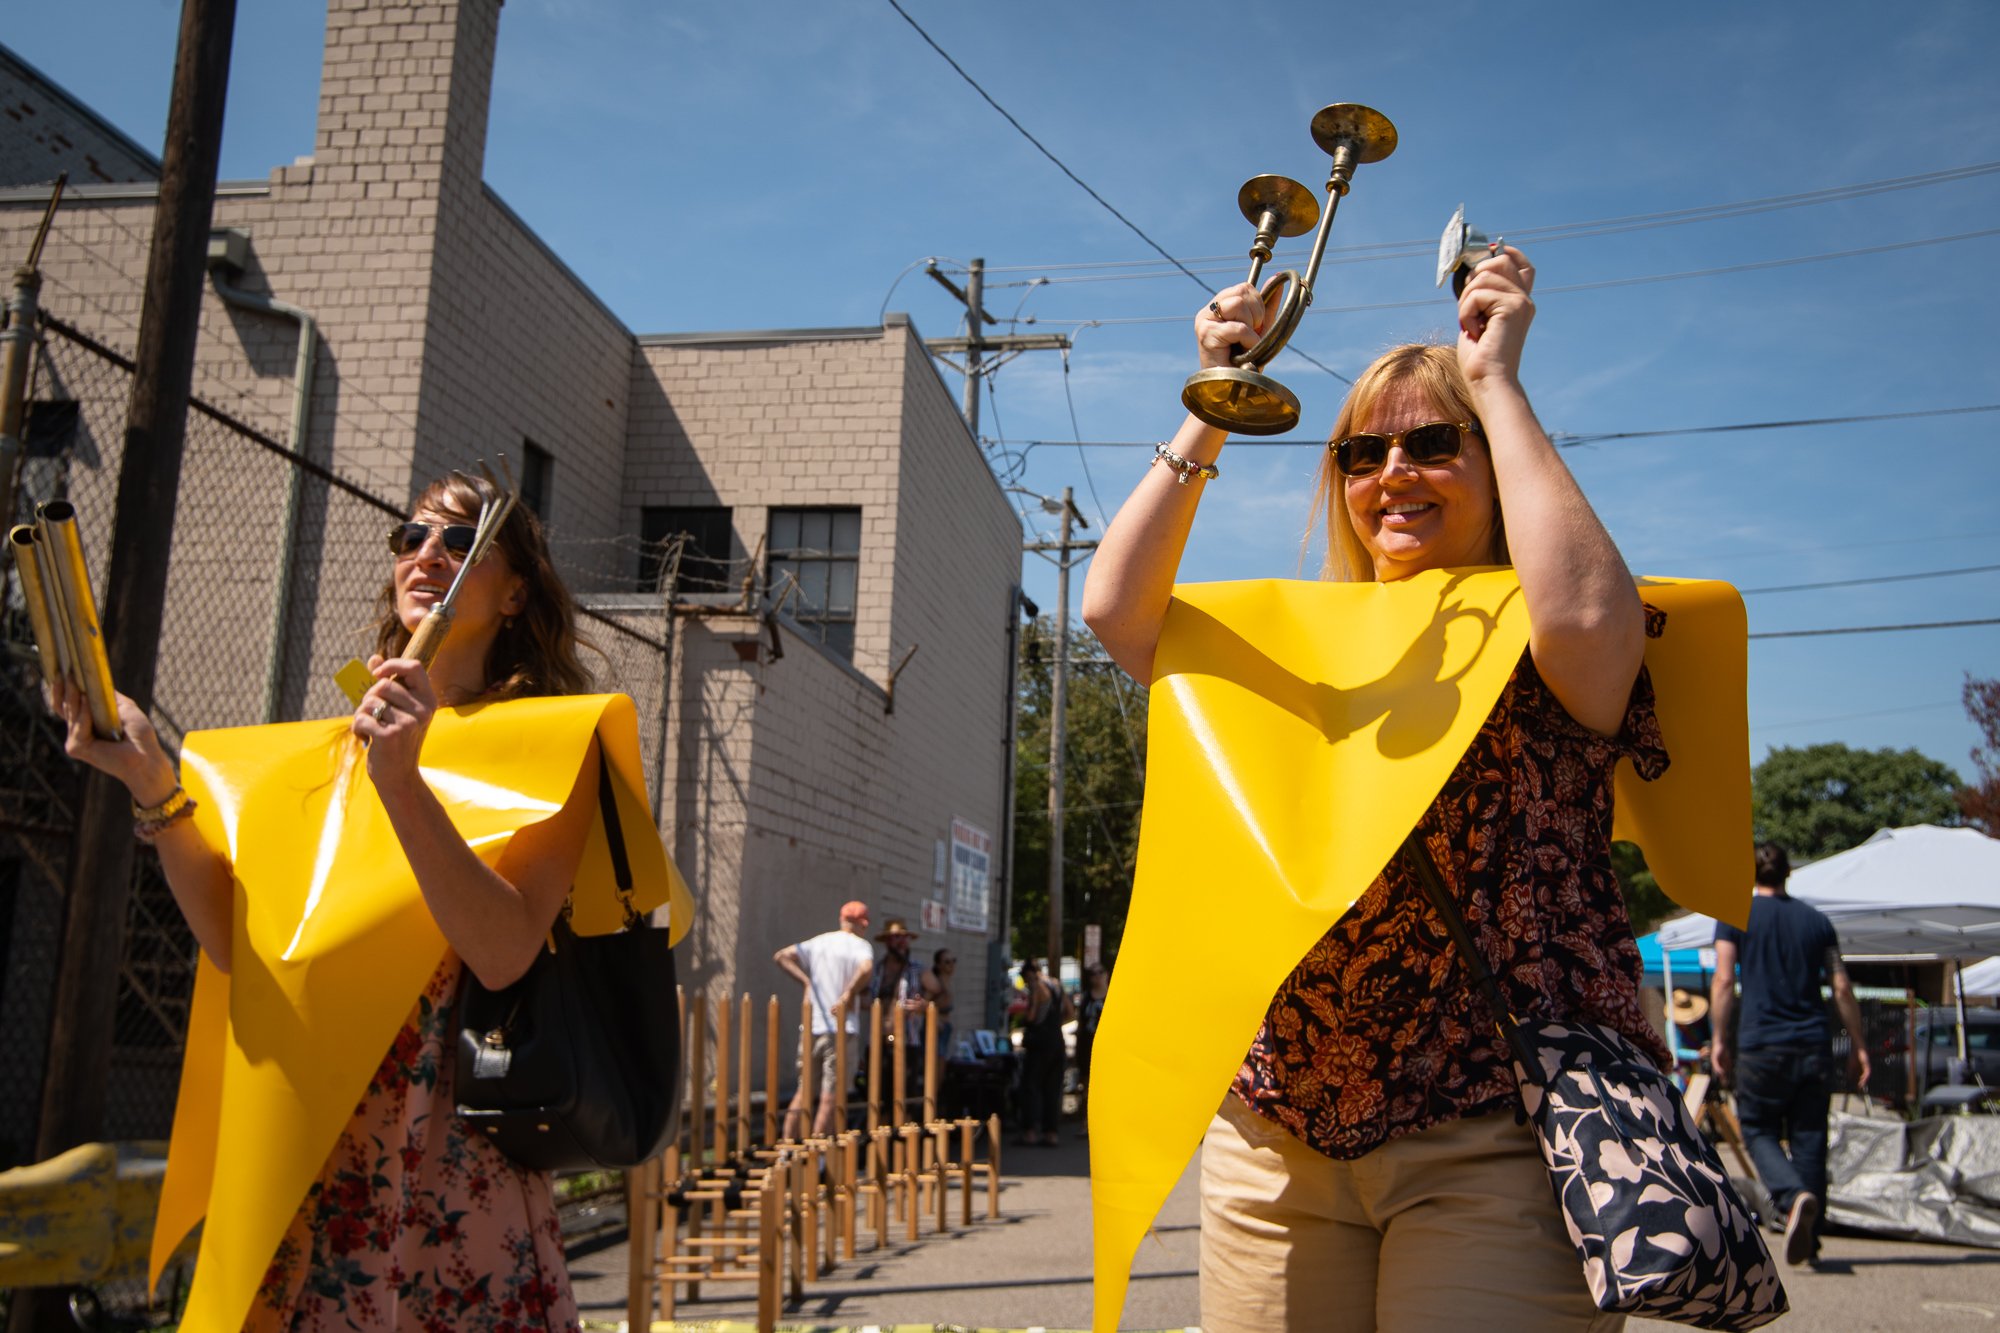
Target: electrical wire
1574, 230
1882, 578
1008, 116
1566, 440
1873, 629
1605, 283
1850, 717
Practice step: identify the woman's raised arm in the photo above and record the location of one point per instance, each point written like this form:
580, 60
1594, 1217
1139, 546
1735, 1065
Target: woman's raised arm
1587, 629
1132, 575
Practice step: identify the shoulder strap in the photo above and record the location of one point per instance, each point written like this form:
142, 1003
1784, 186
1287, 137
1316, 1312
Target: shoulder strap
614, 836
1434, 888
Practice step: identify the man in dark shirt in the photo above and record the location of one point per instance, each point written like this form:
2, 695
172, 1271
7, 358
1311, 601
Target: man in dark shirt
1781, 1051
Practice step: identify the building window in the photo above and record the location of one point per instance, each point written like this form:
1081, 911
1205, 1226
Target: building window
819, 550
538, 478
705, 557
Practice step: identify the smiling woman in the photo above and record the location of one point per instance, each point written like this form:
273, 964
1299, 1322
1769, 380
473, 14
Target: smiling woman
379, 1208
1367, 1128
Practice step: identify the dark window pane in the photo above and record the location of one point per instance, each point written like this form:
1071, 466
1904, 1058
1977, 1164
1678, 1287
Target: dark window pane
784, 529
812, 584
846, 539
840, 589
816, 530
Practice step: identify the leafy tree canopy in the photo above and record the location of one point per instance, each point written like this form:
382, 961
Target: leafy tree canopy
1980, 802
1103, 782
1824, 799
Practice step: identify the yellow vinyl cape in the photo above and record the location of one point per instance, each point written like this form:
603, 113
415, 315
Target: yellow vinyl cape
331, 945
1298, 730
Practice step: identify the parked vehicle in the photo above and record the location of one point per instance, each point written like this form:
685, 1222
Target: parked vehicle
1937, 1044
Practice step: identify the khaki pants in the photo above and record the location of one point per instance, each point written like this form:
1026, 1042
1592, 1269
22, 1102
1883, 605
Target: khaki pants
1451, 1228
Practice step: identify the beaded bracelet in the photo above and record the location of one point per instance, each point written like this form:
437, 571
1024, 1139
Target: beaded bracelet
1183, 467
148, 821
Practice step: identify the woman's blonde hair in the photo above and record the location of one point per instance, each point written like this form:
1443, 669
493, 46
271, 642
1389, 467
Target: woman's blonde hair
1433, 369
535, 652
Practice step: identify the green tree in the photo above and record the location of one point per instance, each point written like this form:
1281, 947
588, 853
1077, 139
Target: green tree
1827, 798
1645, 902
1103, 784
1980, 802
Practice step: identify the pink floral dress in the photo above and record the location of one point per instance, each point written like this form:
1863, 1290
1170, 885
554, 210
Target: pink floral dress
413, 1225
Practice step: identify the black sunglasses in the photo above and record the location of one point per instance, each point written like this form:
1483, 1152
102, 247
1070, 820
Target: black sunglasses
409, 538
1432, 444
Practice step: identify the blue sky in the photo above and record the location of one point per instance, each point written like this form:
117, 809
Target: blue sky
782, 163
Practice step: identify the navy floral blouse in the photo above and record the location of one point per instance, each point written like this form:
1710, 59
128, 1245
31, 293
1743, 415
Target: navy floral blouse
1379, 1031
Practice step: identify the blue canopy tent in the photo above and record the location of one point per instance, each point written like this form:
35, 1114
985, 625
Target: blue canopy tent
1666, 970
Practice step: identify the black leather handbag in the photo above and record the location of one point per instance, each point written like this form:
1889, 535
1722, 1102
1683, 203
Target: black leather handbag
576, 1066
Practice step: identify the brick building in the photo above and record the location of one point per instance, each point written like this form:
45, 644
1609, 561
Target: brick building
797, 765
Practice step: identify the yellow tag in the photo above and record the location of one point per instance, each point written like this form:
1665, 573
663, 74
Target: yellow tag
354, 680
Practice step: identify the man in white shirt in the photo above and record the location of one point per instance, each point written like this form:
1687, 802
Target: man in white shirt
834, 968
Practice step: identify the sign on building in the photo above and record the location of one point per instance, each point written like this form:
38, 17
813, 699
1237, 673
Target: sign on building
934, 915
971, 876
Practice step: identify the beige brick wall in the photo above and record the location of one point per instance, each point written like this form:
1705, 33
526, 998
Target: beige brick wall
45, 132
789, 421
446, 331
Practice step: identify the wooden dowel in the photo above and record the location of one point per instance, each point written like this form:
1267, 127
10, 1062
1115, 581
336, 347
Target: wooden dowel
874, 1065
722, 1045
966, 1129
930, 1063
698, 1079
771, 1108
807, 1082
993, 1166
743, 1081
837, 1094
899, 1068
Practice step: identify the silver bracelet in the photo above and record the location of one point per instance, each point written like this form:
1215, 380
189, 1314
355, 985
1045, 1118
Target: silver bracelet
1183, 468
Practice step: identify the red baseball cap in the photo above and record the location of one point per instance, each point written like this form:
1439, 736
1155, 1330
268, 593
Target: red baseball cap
855, 910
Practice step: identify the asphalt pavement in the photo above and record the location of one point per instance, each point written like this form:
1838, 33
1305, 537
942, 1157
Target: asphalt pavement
1031, 1270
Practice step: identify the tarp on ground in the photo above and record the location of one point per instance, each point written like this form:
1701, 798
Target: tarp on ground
1935, 1179
1919, 891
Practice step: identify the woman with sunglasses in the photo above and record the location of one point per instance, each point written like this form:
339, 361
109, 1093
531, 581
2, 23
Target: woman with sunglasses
412, 1221
1367, 1168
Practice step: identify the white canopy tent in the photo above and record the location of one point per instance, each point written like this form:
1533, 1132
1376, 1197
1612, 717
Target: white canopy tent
1908, 894
1981, 978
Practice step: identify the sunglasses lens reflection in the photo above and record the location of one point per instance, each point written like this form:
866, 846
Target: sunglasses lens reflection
409, 538
1359, 455
1432, 444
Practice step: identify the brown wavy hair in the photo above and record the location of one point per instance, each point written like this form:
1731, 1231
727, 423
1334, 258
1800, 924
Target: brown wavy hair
535, 652
1433, 367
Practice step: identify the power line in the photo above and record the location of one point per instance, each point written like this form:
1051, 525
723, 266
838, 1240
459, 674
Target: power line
1591, 228
1850, 717
1872, 629
1635, 281
1883, 578
1565, 440
1044, 151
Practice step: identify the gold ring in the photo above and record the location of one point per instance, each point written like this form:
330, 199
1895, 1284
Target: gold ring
379, 711
1215, 308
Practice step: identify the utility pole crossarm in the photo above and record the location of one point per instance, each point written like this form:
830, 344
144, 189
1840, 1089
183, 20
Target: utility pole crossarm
1018, 342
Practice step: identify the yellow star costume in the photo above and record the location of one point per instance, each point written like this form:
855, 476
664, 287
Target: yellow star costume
1298, 731
332, 943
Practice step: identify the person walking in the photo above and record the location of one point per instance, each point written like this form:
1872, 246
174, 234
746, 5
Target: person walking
1781, 1052
1089, 1009
834, 967
1042, 1056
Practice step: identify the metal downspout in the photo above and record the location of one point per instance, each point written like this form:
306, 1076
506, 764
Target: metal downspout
302, 386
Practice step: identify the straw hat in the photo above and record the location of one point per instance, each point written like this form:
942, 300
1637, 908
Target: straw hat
895, 926
1687, 1006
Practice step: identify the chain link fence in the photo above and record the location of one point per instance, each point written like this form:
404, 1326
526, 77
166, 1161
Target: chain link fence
272, 582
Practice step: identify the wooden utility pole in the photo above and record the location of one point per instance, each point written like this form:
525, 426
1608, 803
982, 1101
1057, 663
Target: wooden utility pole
976, 344
1058, 719
93, 939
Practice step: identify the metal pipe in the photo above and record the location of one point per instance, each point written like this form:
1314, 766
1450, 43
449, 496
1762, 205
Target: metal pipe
76, 612
302, 387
